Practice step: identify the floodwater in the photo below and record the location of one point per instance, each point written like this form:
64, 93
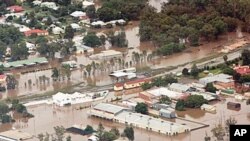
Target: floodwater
100, 78
49, 116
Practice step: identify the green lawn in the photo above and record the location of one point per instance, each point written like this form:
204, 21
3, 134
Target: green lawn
214, 71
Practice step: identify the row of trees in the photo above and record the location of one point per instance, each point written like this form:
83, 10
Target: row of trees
160, 81
64, 71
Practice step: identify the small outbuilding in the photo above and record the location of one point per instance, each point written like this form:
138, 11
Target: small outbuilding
233, 106
167, 113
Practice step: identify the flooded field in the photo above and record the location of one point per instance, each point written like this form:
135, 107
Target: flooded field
48, 116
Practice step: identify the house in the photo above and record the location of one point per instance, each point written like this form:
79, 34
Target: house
15, 135
220, 81
179, 87
36, 2
75, 26
36, 32
80, 49
79, 14
243, 70
57, 30
233, 106
159, 106
3, 78
51, 5
72, 64
167, 113
136, 83
86, 3
106, 55
98, 24
118, 86
208, 108
15, 9
31, 47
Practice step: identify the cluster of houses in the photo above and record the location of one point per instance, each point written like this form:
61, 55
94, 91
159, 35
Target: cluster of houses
62, 99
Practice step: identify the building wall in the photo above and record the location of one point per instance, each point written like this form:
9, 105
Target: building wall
225, 85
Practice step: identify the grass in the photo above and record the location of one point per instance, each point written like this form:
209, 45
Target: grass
214, 71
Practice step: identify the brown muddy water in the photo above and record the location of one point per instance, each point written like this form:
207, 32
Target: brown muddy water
49, 116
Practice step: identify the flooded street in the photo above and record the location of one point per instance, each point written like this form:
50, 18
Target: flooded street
48, 116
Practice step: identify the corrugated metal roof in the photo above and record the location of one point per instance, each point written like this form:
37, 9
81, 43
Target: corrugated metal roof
110, 108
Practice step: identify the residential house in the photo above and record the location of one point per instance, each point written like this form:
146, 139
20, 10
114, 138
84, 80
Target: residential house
57, 30
86, 3
243, 70
51, 5
136, 83
80, 49
179, 87
15, 9
220, 81
118, 86
36, 32
79, 15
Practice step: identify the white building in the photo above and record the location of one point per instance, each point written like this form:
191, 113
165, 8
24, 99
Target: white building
57, 30
98, 23
106, 55
62, 99
50, 5
162, 91
208, 108
78, 14
80, 49
179, 87
87, 3
75, 26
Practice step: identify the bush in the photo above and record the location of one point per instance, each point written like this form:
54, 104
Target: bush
195, 101
141, 108
6, 118
180, 105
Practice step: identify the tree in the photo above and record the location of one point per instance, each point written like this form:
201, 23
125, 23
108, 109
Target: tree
194, 70
91, 11
229, 121
4, 108
19, 51
195, 101
229, 71
55, 74
165, 100
180, 105
245, 57
65, 69
218, 132
40, 137
146, 86
210, 88
69, 32
100, 131
88, 69
129, 133
108, 136
68, 138
92, 40
89, 129
185, 72
59, 131
141, 108
225, 58
115, 131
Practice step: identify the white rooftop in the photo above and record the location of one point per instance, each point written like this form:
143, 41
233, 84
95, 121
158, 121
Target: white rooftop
78, 14
87, 3
110, 108
178, 86
162, 91
155, 124
219, 78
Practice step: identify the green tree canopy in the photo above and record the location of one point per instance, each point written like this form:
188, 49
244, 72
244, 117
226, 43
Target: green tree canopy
141, 108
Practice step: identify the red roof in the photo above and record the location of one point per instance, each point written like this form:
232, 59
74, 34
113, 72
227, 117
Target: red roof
119, 84
34, 31
138, 81
2, 76
243, 70
16, 8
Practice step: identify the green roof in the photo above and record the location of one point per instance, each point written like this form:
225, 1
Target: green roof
26, 62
